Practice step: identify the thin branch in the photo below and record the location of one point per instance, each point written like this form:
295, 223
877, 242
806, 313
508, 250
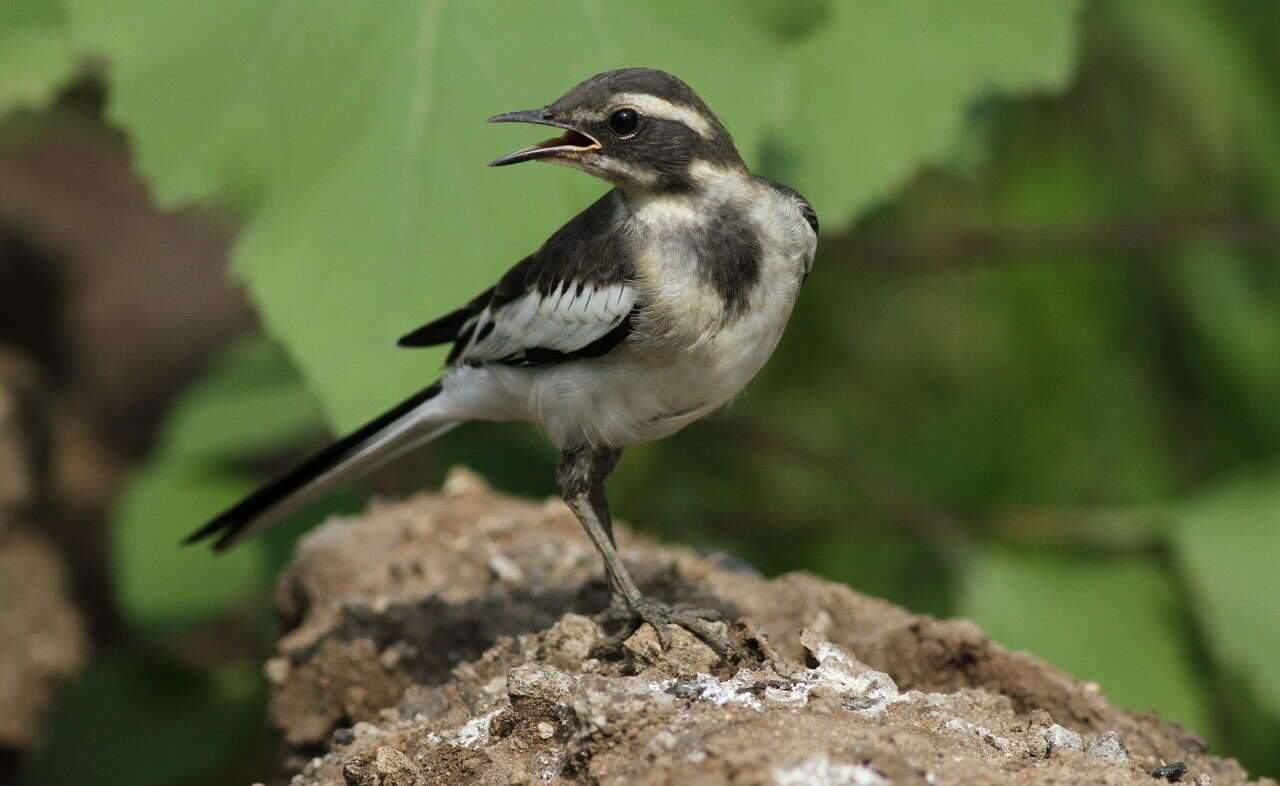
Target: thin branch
884, 493
1121, 234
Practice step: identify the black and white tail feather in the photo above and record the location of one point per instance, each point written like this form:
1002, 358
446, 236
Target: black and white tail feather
544, 311
402, 428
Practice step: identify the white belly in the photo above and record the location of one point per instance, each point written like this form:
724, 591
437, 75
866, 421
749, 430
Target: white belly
636, 393
639, 393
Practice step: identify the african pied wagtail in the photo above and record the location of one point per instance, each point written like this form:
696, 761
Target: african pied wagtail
648, 310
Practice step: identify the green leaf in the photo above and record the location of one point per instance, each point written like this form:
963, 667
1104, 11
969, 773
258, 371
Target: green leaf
352, 134
1228, 542
35, 53
885, 87
1232, 310
791, 19
135, 721
1111, 620
249, 403
161, 584
1200, 51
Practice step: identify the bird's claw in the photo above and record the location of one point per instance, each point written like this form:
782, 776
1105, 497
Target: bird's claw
695, 620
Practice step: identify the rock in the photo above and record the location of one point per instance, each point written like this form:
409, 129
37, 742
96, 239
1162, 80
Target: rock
43, 637
43, 641
686, 656
573, 637
1063, 739
495, 684
276, 670
394, 768
1171, 772
821, 770
1108, 747
359, 771
535, 681
23, 437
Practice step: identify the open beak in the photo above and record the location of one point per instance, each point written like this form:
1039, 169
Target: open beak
571, 141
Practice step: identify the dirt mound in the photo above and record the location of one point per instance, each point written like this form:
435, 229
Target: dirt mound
446, 639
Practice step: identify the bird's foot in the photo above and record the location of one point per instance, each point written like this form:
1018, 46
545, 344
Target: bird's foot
695, 620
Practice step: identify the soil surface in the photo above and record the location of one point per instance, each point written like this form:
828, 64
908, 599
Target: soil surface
447, 639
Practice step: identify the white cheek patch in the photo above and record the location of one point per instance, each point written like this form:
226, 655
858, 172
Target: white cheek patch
727, 181
612, 166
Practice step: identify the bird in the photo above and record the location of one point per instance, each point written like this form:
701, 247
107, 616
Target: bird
650, 309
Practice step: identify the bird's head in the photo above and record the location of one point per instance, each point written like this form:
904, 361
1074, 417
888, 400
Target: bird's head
638, 128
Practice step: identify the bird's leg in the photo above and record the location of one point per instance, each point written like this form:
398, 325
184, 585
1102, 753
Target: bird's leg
581, 475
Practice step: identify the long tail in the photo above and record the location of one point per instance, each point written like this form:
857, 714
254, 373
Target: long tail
410, 423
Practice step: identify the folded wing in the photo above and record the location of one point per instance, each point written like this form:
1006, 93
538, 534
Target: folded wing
573, 298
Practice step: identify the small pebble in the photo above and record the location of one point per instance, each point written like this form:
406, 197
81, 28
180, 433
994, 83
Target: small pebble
538, 682
665, 740
686, 689
1060, 737
505, 569
1107, 747
359, 771
496, 686
546, 731
1172, 772
365, 729
395, 768
276, 670
391, 656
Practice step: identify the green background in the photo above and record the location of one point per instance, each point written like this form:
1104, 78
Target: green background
1033, 379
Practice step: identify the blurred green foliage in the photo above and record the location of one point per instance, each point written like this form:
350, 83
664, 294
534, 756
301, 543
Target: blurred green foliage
35, 53
134, 719
1032, 381
1123, 607
1227, 542
352, 138
249, 404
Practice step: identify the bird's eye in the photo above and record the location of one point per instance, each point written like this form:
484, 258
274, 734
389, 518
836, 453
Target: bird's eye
624, 121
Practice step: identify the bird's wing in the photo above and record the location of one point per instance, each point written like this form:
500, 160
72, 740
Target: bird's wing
445, 329
573, 298
572, 319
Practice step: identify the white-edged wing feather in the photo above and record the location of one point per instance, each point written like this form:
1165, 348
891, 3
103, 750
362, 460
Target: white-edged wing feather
566, 319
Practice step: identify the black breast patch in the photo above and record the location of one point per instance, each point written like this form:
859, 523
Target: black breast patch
729, 256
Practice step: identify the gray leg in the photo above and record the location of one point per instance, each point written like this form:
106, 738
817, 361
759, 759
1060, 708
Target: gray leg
581, 475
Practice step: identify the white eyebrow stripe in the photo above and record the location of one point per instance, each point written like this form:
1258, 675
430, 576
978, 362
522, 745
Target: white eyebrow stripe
664, 109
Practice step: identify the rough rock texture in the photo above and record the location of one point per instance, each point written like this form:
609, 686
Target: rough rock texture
42, 638
444, 640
